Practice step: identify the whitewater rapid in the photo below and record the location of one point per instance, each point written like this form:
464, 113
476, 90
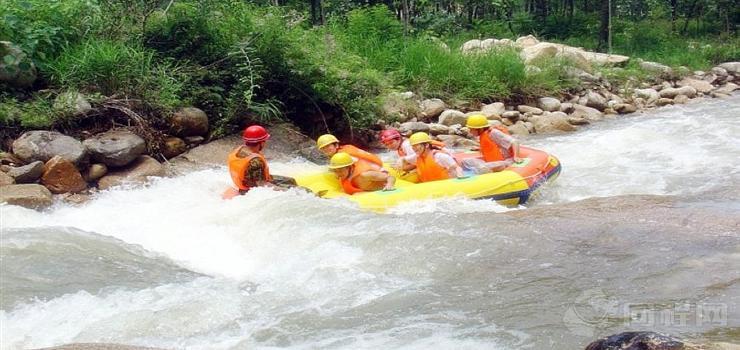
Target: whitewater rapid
173, 265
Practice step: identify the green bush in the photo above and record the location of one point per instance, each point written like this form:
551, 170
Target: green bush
34, 114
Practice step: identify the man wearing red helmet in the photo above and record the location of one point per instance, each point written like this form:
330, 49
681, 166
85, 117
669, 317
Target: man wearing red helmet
247, 166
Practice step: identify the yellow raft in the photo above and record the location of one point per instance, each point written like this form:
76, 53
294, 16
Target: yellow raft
512, 186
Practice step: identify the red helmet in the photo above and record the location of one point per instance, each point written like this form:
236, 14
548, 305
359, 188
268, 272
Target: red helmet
254, 134
389, 134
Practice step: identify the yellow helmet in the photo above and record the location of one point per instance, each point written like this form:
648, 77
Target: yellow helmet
324, 140
340, 160
419, 137
477, 121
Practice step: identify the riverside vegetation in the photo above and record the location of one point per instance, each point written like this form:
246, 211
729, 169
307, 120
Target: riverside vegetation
158, 77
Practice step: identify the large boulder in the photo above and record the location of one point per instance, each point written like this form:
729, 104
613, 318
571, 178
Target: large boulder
702, 86
28, 195
16, 68
28, 173
493, 110
548, 104
538, 52
731, 67
61, 176
408, 128
595, 100
432, 108
189, 121
602, 59
673, 92
137, 172
588, 113
452, 117
551, 122
6, 179
115, 148
43, 145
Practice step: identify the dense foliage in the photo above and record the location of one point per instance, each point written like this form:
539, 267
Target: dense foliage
325, 61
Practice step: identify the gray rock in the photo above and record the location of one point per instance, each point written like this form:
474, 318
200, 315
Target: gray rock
529, 109
27, 173
408, 128
194, 140
457, 141
720, 72
137, 172
438, 129
699, 85
595, 100
673, 92
567, 108
731, 67
511, 115
727, 88
657, 68
72, 102
650, 95
43, 145
551, 122
549, 104
31, 196
432, 108
588, 113
639, 340
578, 121
526, 41
681, 99
519, 129
115, 148
189, 121
663, 101
452, 116
493, 110
625, 108
173, 147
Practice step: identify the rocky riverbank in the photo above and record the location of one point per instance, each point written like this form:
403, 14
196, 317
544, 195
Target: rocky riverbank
43, 163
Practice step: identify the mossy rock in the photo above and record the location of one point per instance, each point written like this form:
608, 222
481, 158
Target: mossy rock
16, 68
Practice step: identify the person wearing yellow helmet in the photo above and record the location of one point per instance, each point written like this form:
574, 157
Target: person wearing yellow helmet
394, 141
328, 144
432, 164
359, 175
498, 148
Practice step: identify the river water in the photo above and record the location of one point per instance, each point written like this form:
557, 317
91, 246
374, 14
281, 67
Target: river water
640, 232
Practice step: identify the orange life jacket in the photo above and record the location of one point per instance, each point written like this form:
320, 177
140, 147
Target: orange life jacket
361, 166
490, 150
238, 167
428, 169
434, 143
360, 154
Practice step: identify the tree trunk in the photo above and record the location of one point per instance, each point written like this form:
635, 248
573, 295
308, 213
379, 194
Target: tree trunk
674, 8
604, 28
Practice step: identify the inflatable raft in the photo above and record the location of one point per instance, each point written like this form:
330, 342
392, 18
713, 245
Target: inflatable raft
512, 186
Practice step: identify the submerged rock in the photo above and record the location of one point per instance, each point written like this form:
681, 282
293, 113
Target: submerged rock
138, 172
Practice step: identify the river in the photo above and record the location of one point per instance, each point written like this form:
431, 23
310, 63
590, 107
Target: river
640, 232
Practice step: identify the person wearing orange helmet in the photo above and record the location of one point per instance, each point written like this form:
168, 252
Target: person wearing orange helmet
359, 175
248, 166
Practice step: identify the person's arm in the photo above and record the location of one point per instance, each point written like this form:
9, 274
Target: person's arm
506, 142
515, 147
410, 157
377, 176
448, 162
255, 174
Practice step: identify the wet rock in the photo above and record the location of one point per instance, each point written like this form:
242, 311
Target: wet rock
625, 108
529, 109
189, 121
438, 129
519, 129
76, 198
452, 116
673, 92
731, 67
95, 171
16, 67
27, 173
578, 120
663, 102
137, 172
551, 122
173, 146
595, 100
681, 99
588, 113
432, 108
409, 128
650, 95
194, 140
699, 85
6, 179
61, 176
638, 341
31, 196
43, 145
72, 102
493, 110
567, 107
115, 148
549, 104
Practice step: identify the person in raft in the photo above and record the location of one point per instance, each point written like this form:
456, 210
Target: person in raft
394, 141
248, 167
359, 175
432, 163
498, 148
329, 146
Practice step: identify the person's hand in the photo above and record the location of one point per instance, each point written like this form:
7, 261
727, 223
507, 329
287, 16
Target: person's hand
518, 160
475, 148
388, 187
